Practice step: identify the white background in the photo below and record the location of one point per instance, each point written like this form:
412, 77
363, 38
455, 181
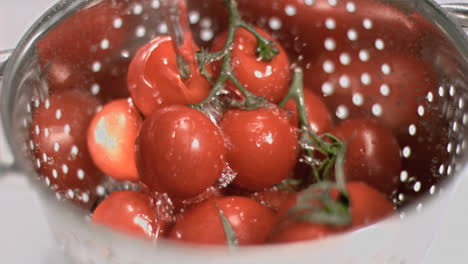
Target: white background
24, 234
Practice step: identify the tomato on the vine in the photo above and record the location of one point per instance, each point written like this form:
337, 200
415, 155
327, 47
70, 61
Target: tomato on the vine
154, 80
373, 154
130, 212
262, 146
319, 117
180, 151
111, 139
269, 79
367, 206
250, 221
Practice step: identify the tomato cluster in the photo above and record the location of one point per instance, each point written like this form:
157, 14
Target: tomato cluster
203, 176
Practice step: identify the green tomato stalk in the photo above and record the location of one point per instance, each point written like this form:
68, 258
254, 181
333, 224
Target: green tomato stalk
266, 50
315, 204
231, 238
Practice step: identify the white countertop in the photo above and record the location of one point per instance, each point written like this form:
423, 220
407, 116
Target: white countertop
25, 236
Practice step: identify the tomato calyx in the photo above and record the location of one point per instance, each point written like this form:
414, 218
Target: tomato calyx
327, 145
231, 238
266, 50
316, 204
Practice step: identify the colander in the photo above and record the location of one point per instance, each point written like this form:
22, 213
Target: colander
350, 50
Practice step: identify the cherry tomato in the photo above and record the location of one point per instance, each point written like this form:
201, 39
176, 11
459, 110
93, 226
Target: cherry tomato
251, 222
317, 113
129, 212
269, 79
59, 147
373, 154
111, 139
154, 80
179, 151
262, 147
367, 207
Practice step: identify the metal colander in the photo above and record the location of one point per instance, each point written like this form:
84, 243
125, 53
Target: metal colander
355, 53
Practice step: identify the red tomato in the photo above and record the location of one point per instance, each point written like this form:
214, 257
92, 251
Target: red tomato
317, 113
373, 154
367, 207
263, 147
59, 147
251, 222
269, 79
111, 139
154, 81
130, 212
179, 151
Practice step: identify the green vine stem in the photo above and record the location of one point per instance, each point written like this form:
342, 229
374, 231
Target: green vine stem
316, 204
266, 49
228, 230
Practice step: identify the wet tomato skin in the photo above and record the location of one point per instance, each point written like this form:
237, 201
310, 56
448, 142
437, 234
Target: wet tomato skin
59, 147
262, 147
154, 81
373, 154
131, 213
269, 79
368, 205
111, 139
179, 151
318, 115
250, 220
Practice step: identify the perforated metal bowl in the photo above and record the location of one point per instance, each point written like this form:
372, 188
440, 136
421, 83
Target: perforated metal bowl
433, 149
